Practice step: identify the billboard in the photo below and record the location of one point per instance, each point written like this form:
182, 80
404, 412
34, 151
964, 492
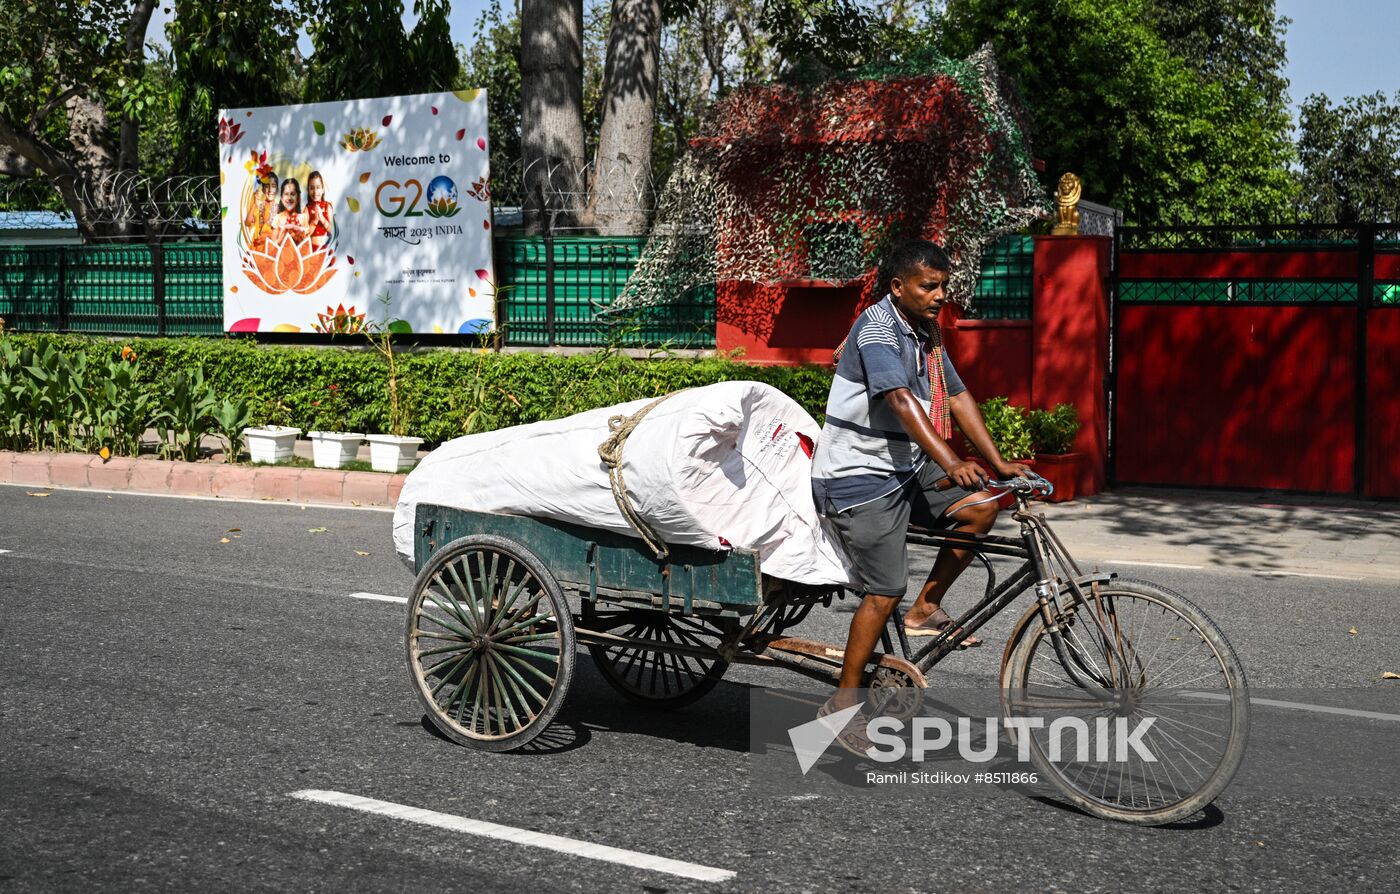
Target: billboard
339, 215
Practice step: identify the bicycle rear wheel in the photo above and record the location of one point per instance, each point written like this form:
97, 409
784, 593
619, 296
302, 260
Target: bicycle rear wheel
1138, 664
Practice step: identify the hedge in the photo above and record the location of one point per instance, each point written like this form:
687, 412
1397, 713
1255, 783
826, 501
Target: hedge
447, 393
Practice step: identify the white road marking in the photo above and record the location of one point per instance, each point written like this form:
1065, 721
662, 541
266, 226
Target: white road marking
1254, 571
379, 597
556, 843
1299, 706
5, 551
1307, 574
1154, 564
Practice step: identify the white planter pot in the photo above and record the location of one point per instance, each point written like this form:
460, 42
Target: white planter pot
333, 449
271, 443
392, 453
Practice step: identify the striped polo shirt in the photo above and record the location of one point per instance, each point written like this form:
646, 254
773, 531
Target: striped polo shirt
864, 452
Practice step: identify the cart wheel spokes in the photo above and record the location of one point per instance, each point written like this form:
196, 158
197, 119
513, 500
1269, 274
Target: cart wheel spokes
663, 676
490, 643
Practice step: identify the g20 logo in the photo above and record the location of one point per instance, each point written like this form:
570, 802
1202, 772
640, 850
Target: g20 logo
393, 198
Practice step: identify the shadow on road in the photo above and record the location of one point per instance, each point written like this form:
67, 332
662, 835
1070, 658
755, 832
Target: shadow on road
1246, 530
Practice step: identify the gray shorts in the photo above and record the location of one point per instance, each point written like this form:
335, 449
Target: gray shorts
873, 533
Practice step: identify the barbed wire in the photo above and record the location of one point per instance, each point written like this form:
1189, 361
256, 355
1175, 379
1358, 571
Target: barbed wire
573, 199
609, 199
121, 205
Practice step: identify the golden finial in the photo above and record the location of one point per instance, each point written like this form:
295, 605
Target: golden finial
1066, 198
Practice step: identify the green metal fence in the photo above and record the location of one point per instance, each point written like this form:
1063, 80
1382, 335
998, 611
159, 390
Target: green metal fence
555, 287
1005, 286
170, 289
552, 289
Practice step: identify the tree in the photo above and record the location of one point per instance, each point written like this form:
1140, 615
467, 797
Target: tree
1239, 41
1145, 131
361, 50
71, 101
1350, 159
826, 34
492, 61
228, 54
707, 49
620, 194
551, 111
662, 62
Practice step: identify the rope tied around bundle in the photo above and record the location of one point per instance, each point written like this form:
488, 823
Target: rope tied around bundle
610, 451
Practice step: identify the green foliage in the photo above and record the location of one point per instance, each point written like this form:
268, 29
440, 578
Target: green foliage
230, 419
1169, 139
58, 399
361, 50
72, 95
1053, 431
492, 60
1350, 159
226, 54
1236, 41
447, 392
186, 413
1008, 428
48, 49
828, 34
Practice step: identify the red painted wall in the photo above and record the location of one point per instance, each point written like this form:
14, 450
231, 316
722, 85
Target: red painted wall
992, 356
1070, 349
1383, 401
1242, 396
1258, 264
783, 325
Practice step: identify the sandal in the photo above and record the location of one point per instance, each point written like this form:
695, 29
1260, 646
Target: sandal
934, 625
852, 735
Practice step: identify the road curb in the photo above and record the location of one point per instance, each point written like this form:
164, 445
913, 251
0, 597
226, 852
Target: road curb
147, 475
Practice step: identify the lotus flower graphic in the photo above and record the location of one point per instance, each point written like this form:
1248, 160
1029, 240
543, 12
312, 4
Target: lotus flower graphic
290, 266
229, 132
339, 321
361, 139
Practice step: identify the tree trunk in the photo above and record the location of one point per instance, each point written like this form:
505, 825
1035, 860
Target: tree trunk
12, 164
621, 189
551, 112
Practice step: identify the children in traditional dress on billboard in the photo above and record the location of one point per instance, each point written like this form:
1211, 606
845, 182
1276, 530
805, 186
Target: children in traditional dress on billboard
318, 210
290, 219
258, 223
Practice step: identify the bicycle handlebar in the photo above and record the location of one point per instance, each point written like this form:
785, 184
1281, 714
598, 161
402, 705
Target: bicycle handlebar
1032, 485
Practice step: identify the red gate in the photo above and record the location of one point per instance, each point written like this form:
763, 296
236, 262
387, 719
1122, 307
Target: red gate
1258, 358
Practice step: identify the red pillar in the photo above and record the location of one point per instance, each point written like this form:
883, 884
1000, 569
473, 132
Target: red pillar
1070, 341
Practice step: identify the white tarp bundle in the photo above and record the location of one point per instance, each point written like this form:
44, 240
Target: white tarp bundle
723, 465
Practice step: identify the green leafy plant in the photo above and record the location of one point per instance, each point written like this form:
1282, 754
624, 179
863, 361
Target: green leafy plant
1053, 431
332, 410
230, 419
381, 337
131, 407
1008, 428
186, 414
439, 390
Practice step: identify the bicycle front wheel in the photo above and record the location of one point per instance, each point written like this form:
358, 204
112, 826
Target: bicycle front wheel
1137, 710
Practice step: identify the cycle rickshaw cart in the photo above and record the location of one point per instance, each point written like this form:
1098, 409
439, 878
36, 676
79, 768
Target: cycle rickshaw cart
493, 633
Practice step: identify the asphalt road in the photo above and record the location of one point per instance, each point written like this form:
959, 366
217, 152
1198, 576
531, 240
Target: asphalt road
163, 692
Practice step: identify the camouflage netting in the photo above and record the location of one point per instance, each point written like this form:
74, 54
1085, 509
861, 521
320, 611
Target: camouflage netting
790, 183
